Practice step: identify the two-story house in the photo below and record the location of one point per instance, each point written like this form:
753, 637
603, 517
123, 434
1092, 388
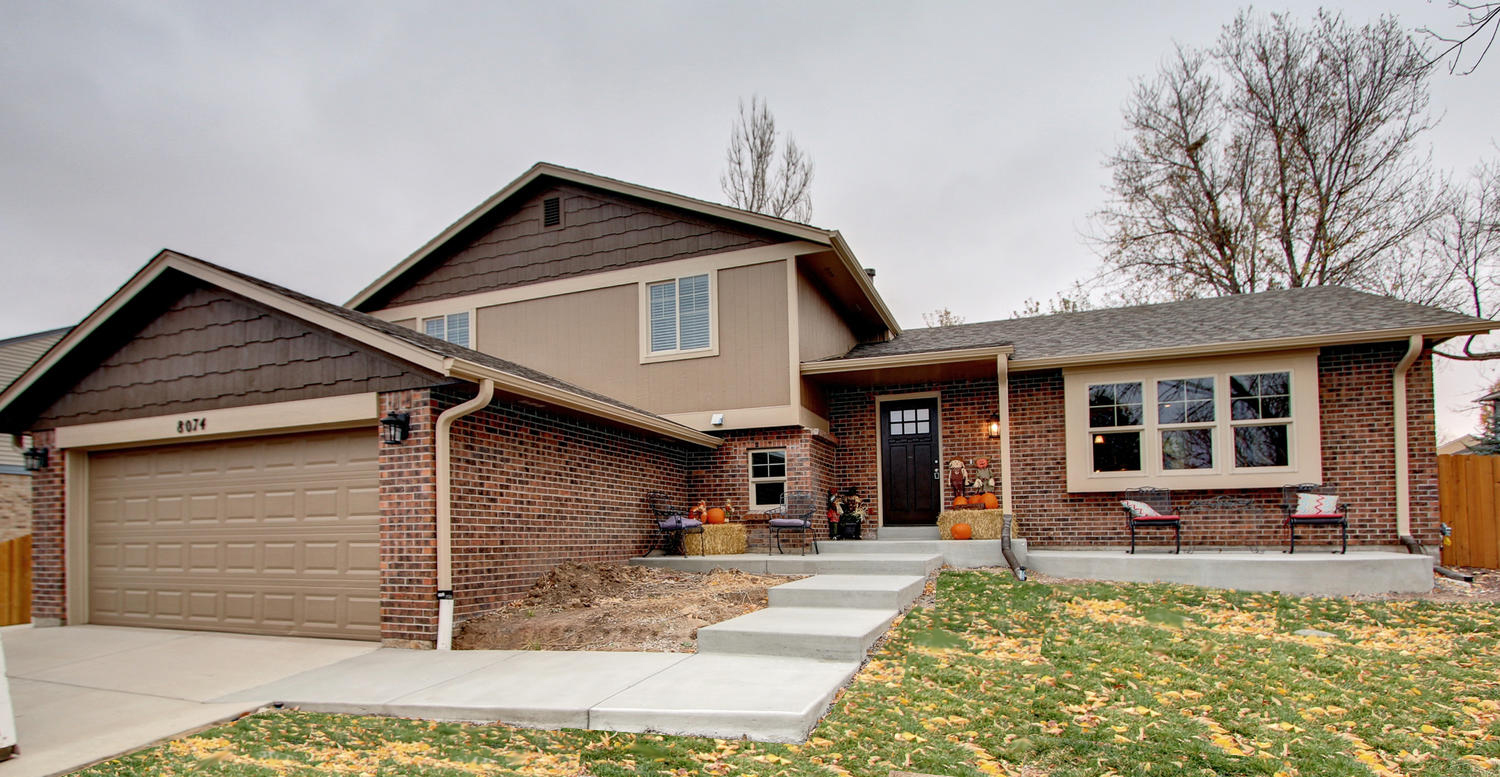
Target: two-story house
215, 454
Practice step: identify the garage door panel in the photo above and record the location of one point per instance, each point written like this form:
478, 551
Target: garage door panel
270, 536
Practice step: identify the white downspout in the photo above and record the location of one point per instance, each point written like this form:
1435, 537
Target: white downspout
1403, 487
445, 507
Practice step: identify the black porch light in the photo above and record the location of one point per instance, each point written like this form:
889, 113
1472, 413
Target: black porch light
35, 459
993, 427
395, 428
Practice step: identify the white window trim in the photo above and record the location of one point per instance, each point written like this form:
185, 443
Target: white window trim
1304, 436
644, 306
750, 471
421, 325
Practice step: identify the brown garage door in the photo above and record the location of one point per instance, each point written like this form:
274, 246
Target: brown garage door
266, 535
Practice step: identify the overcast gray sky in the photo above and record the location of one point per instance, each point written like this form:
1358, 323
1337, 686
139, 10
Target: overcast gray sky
958, 146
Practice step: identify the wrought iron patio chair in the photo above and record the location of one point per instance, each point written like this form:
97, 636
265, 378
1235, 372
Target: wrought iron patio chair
795, 515
1151, 508
672, 523
1308, 512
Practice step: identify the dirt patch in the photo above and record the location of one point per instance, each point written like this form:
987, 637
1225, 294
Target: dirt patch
617, 607
1484, 589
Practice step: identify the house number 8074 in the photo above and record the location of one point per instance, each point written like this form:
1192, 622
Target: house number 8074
191, 425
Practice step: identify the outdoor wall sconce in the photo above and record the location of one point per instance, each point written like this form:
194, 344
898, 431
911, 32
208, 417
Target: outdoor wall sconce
35, 458
395, 428
993, 427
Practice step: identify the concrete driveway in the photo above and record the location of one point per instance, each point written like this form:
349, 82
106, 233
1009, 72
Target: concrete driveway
84, 693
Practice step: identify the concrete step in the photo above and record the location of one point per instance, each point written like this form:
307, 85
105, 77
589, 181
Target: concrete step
1308, 572
827, 633
769, 699
909, 532
867, 592
810, 564
956, 553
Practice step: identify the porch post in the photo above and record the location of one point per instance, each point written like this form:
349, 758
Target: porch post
1002, 390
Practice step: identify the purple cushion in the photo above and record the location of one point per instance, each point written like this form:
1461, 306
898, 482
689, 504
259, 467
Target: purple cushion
679, 522
789, 523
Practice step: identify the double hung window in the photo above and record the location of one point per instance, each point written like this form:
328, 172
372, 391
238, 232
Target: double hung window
453, 327
767, 478
679, 316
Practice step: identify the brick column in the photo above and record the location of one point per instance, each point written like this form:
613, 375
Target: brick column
49, 589
408, 522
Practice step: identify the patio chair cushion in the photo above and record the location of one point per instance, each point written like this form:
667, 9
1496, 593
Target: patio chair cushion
1139, 509
789, 523
1316, 504
1324, 516
679, 522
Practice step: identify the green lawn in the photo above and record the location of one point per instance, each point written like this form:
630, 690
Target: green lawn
1019, 679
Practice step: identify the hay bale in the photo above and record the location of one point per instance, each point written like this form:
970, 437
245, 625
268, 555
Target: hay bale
718, 539
985, 523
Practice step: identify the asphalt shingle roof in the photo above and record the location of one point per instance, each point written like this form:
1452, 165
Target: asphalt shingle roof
1314, 311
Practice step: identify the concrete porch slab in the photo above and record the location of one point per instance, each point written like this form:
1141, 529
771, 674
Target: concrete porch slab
810, 564
868, 592
1317, 573
728, 696
960, 554
827, 633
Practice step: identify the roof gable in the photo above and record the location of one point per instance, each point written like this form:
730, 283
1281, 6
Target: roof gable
208, 349
599, 230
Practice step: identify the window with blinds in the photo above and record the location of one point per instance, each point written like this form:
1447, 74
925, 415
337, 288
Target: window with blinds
453, 327
681, 314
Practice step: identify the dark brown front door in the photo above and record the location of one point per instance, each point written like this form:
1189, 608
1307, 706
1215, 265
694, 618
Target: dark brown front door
909, 455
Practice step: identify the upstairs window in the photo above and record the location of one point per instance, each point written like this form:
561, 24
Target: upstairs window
453, 327
680, 315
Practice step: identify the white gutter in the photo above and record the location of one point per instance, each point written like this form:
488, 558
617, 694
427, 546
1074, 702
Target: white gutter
1403, 488
445, 507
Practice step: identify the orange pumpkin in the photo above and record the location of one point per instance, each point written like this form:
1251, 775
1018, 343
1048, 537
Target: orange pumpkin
991, 502
715, 515
960, 501
962, 531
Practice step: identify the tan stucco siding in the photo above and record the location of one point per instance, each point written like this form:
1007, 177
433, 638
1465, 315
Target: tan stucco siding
822, 332
592, 338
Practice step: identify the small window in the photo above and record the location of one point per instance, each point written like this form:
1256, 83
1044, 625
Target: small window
552, 212
911, 421
767, 478
680, 315
453, 327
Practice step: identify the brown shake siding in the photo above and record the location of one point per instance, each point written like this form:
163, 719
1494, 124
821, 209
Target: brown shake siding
599, 231
212, 349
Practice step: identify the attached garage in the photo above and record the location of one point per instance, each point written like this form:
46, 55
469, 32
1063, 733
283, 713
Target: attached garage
266, 535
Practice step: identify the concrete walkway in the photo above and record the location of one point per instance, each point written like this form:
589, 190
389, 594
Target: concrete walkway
84, 693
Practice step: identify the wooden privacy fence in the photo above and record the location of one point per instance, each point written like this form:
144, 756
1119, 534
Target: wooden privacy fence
15, 576
1469, 493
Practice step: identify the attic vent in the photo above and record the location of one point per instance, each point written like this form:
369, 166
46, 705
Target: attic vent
551, 211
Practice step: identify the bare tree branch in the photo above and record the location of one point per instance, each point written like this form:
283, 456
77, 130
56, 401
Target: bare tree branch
753, 178
1478, 17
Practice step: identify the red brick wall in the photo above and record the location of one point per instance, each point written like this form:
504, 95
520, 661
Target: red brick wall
533, 489
408, 510
964, 408
49, 587
723, 474
1355, 398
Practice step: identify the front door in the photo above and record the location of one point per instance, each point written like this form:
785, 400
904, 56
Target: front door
909, 456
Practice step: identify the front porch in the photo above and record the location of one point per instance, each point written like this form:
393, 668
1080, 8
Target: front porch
1311, 573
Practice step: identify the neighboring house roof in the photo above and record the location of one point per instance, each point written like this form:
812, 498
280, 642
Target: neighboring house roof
541, 170
437, 356
1286, 318
17, 354
1458, 446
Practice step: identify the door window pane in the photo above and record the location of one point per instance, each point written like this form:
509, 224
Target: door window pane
1117, 452
1187, 449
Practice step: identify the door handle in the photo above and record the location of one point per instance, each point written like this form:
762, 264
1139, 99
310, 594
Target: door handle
937, 473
